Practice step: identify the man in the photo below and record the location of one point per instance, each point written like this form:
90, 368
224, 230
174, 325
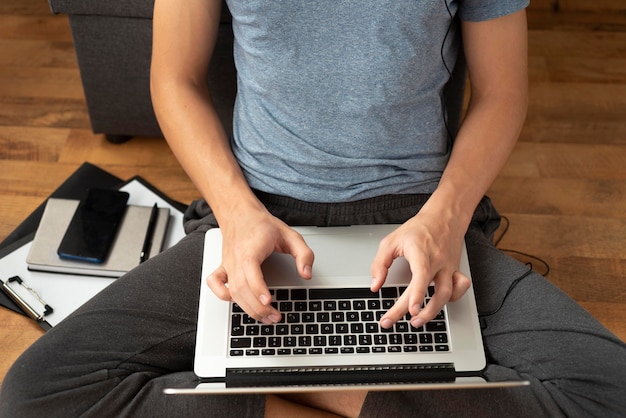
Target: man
340, 119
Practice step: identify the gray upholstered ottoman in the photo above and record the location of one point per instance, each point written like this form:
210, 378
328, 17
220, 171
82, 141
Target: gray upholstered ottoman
113, 41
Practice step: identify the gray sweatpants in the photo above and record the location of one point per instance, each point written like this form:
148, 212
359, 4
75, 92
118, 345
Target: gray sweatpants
115, 355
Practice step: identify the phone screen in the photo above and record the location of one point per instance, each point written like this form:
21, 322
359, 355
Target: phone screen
94, 225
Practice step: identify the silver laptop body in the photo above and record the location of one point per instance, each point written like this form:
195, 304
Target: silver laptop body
343, 256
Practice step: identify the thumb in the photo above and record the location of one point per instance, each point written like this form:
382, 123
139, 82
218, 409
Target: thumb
460, 284
302, 253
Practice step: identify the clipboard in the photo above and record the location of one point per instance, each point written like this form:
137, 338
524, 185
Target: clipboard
23, 295
85, 177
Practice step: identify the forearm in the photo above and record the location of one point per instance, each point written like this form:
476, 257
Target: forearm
482, 147
197, 139
184, 37
496, 54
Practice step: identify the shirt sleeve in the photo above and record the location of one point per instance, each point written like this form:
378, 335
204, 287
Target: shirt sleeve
479, 10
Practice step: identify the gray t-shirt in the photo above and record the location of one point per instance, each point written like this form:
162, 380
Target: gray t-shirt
340, 100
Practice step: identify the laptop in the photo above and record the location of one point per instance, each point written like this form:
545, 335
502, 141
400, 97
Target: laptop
329, 337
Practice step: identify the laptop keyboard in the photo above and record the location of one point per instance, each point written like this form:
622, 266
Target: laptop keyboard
334, 321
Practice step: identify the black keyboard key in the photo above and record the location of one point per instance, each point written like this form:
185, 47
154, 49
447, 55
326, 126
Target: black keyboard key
389, 292
359, 305
442, 347
285, 306
342, 328
395, 339
334, 294
243, 342
284, 351
253, 330
237, 331
380, 339
388, 303
236, 353
426, 338
327, 328
268, 352
394, 349
363, 350
344, 305
311, 329
315, 350
300, 306
323, 317
331, 350
402, 326
330, 305
410, 339
274, 342
293, 317
315, 306
337, 317
379, 350
259, 342
409, 348
290, 341
367, 316
372, 328
282, 294
251, 352
349, 340
352, 316
334, 340
436, 326
356, 328
267, 329
282, 329
298, 294
308, 317
319, 340
299, 351
304, 341
365, 339
441, 338
373, 304
347, 350
297, 329
426, 348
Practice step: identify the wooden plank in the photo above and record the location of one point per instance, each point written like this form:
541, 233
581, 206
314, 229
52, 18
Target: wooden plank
560, 196
46, 83
560, 236
43, 112
44, 28
563, 160
24, 54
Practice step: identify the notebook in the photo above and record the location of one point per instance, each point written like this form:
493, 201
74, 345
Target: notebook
125, 253
329, 338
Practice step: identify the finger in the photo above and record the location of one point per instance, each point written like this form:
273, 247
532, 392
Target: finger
217, 282
442, 295
421, 277
380, 265
302, 253
252, 294
460, 284
396, 312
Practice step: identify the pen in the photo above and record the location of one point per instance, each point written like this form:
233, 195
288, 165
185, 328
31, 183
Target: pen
147, 242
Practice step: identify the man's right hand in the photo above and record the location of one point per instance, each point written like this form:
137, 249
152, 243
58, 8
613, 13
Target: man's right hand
246, 243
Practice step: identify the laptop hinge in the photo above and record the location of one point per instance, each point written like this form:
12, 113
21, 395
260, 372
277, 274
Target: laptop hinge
341, 375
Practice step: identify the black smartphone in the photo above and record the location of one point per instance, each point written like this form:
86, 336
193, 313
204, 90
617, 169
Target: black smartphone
93, 227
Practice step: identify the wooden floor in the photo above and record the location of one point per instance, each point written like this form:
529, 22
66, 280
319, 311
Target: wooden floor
564, 188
